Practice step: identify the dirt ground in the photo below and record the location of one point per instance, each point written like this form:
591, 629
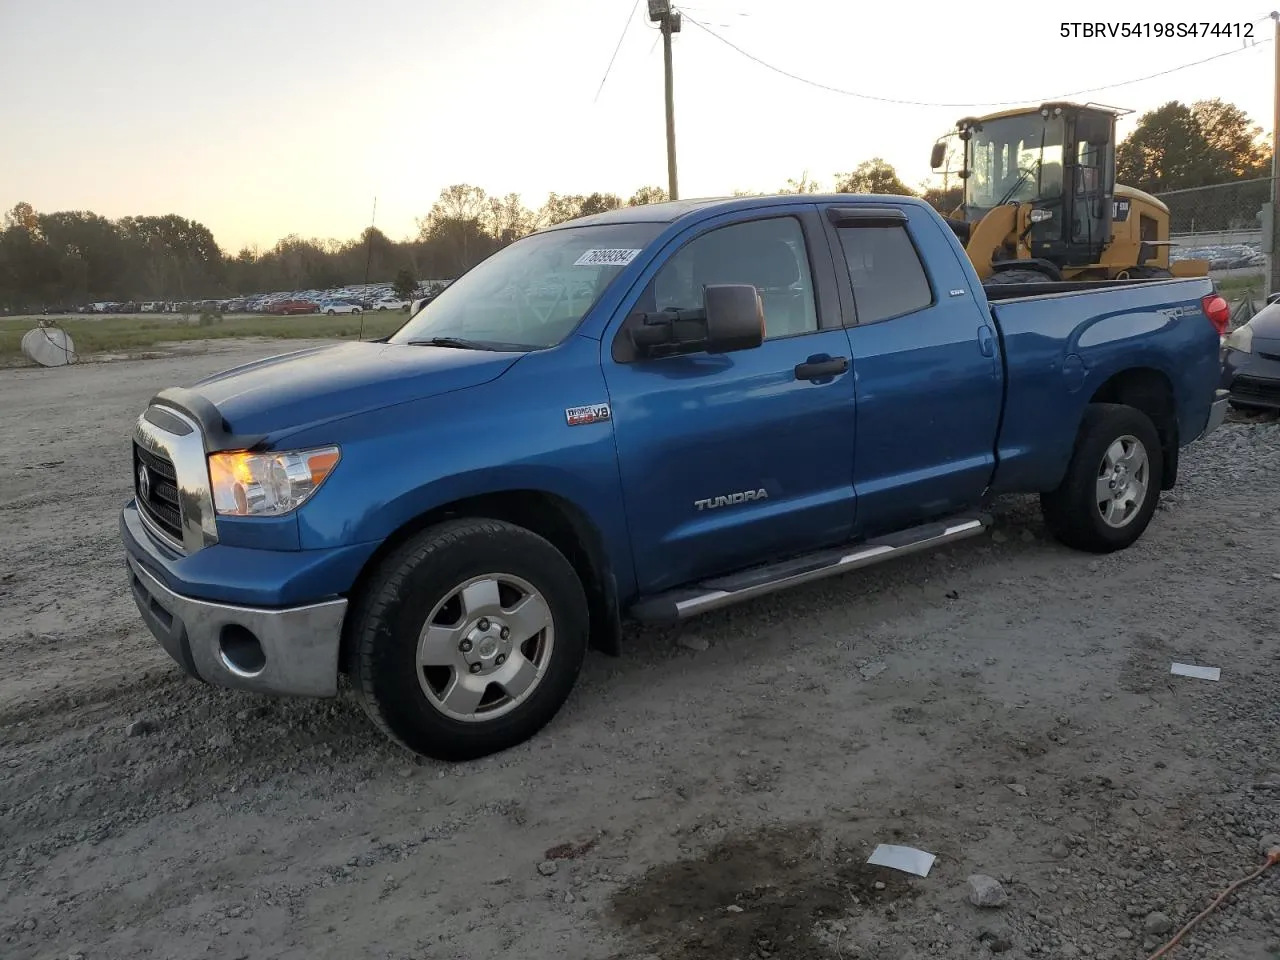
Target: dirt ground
1005, 704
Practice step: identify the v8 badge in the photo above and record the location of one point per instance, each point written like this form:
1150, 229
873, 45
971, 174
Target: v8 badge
593, 413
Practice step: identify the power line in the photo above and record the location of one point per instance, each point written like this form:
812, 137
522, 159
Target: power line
994, 103
625, 27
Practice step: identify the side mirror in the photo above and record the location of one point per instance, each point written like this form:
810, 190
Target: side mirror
938, 155
731, 318
735, 317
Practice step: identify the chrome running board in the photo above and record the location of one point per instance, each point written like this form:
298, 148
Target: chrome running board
707, 595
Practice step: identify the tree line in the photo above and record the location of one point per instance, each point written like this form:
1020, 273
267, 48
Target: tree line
69, 258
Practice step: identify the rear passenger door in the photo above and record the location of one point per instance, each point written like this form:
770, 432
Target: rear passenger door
927, 375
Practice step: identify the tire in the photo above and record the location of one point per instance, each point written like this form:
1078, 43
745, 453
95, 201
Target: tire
426, 709
1004, 277
331, 313
1074, 513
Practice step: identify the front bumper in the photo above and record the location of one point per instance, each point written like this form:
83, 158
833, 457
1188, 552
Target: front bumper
1252, 378
283, 651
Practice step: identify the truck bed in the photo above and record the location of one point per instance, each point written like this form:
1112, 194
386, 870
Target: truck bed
1082, 335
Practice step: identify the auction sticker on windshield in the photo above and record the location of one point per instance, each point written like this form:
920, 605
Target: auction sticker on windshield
606, 258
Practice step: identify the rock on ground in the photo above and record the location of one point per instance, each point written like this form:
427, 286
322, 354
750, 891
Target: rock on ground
986, 891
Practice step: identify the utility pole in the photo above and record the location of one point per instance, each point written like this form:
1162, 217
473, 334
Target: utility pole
1274, 285
368, 246
668, 20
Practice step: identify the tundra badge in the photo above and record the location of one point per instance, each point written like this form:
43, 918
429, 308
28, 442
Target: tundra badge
593, 413
744, 496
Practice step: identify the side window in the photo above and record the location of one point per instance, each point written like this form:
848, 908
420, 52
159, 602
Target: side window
768, 254
888, 277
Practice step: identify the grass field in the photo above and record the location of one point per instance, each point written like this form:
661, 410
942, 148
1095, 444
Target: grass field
1237, 286
107, 334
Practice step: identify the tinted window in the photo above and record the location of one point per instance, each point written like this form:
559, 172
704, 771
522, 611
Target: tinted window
888, 278
768, 254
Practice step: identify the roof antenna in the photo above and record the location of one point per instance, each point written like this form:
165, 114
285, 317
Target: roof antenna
368, 258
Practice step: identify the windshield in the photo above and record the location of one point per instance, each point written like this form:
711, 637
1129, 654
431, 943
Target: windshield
1015, 159
532, 294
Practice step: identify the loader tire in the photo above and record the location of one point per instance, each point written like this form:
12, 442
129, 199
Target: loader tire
1006, 277
1144, 273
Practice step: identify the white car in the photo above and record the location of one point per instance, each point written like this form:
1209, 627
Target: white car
391, 303
333, 307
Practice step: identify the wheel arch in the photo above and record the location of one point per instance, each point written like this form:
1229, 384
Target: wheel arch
1151, 391
554, 518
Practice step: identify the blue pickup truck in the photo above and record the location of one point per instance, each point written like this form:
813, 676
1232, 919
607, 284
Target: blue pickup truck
650, 413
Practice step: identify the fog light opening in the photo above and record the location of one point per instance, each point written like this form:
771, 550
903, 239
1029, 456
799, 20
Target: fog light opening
241, 651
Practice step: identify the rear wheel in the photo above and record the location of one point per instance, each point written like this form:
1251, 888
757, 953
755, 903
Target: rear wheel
331, 311
1112, 484
468, 639
1017, 276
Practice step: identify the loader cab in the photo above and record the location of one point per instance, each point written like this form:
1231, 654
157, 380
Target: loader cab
1058, 158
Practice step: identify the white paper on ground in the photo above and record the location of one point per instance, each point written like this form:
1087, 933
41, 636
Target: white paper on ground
906, 859
1200, 673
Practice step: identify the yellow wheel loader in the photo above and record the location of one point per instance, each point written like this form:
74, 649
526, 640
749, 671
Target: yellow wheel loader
1041, 204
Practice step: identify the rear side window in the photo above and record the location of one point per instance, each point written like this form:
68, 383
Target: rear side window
887, 275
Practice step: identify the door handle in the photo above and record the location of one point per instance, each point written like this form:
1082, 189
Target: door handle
817, 367
985, 341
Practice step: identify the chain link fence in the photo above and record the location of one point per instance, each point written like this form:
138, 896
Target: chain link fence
1221, 224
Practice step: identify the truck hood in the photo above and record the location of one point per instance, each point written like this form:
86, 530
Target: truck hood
313, 386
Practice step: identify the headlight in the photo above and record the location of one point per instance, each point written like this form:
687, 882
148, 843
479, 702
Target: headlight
267, 484
1240, 339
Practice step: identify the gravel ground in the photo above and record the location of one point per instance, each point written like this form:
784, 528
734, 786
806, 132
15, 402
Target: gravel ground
1005, 704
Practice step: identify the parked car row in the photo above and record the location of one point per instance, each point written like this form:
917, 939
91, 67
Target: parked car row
351, 299
1230, 256
327, 305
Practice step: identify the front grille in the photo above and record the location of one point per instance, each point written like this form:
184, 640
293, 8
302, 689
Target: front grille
160, 502
1256, 390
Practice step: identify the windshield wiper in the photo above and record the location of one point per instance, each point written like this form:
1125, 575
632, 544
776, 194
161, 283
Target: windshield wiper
458, 342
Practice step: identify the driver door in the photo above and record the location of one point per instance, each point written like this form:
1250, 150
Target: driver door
732, 459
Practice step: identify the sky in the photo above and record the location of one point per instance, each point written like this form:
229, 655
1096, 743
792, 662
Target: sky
262, 118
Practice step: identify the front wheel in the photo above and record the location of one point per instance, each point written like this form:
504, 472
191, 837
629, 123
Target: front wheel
1112, 485
468, 639
331, 312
